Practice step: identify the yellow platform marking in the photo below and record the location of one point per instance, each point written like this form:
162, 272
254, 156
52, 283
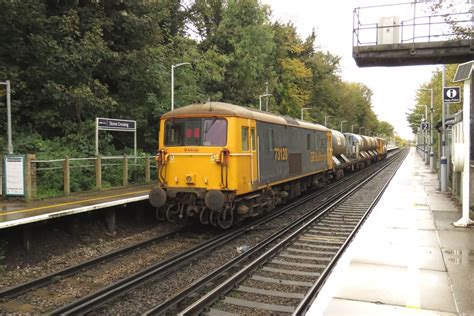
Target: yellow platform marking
70, 203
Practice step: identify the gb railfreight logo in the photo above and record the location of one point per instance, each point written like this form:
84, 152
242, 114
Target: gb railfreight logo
451, 95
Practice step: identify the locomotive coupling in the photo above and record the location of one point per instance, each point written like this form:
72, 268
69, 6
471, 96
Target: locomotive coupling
157, 197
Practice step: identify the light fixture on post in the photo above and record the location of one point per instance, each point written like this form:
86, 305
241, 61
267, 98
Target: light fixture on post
172, 82
344, 121
326, 120
302, 112
431, 127
260, 101
9, 116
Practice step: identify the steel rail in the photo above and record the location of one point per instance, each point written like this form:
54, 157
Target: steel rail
98, 298
179, 297
165, 306
52, 277
316, 214
305, 304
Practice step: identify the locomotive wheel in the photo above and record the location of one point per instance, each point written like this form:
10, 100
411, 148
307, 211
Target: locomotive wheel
160, 214
204, 216
226, 218
213, 218
172, 215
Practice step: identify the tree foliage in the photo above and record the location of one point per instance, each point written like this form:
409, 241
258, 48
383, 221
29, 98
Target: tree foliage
72, 61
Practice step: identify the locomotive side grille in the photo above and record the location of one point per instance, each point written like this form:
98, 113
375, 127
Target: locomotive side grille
294, 163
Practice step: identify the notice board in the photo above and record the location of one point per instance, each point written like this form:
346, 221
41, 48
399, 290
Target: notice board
14, 175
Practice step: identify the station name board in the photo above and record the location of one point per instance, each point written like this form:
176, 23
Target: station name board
115, 124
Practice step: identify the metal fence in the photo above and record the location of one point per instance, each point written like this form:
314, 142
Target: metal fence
410, 22
62, 177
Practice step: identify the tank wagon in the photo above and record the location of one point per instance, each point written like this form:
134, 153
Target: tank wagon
221, 163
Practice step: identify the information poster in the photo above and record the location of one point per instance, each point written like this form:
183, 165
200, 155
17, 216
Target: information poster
14, 173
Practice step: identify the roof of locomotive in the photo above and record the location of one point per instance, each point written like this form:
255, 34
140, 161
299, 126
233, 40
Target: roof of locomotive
227, 109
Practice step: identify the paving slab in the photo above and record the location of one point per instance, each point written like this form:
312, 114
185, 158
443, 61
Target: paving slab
401, 236
442, 202
398, 286
428, 258
339, 307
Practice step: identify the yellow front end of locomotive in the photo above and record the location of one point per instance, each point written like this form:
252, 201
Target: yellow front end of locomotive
207, 153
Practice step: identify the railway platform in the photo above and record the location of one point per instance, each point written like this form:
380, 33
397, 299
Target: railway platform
408, 258
20, 213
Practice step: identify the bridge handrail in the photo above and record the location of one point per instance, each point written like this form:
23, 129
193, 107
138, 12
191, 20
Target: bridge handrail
435, 28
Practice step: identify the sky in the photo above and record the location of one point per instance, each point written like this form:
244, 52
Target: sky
394, 88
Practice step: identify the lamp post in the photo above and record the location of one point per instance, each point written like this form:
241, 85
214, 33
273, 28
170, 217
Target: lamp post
424, 133
302, 110
443, 161
360, 129
9, 116
266, 99
260, 101
326, 120
172, 82
342, 123
431, 127
419, 147
352, 128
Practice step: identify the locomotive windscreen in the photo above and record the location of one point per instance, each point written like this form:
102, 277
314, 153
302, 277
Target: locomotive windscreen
196, 132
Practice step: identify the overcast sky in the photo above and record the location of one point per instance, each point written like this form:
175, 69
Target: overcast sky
393, 87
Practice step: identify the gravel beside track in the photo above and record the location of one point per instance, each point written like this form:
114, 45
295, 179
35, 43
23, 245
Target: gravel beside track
66, 289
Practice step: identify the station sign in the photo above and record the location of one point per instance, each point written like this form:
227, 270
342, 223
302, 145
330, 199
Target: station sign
425, 126
119, 125
116, 124
14, 183
451, 95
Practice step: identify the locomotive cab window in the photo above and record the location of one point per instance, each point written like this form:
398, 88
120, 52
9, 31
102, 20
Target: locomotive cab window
196, 132
245, 138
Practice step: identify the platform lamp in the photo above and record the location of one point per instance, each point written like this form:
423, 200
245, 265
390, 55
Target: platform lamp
352, 128
172, 82
342, 122
419, 148
9, 116
362, 127
431, 127
302, 112
260, 100
326, 120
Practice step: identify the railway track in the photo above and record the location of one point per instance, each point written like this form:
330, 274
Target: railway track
99, 298
284, 273
41, 293
69, 271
